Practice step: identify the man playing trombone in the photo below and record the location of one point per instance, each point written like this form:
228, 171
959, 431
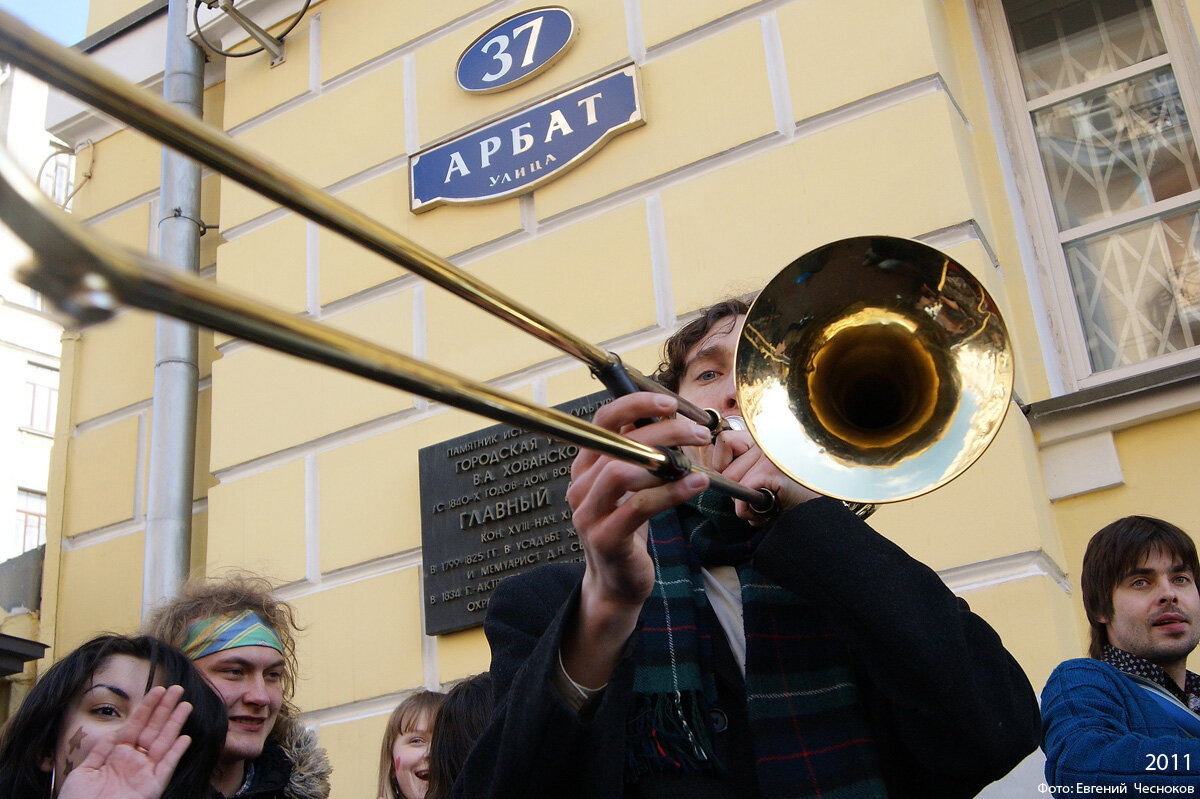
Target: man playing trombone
704, 651
700, 651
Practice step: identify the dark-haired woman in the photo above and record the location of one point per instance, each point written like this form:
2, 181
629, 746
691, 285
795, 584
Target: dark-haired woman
117, 718
462, 719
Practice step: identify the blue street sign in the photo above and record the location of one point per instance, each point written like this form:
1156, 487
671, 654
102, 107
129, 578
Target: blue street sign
529, 147
515, 50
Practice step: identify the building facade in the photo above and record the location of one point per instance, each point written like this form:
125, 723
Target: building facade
1044, 145
29, 362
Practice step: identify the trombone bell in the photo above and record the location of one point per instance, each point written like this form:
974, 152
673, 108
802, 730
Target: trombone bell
869, 383
874, 369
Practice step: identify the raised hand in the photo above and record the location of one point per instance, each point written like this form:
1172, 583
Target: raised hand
136, 761
612, 501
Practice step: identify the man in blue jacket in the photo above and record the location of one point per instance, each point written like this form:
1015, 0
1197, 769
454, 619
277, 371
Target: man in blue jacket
1130, 713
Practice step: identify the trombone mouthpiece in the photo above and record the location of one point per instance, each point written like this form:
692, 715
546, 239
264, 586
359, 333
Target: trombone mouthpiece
736, 423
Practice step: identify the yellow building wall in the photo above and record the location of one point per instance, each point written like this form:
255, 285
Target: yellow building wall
770, 130
96, 514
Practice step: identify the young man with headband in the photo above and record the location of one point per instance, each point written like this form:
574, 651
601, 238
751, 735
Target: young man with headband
241, 639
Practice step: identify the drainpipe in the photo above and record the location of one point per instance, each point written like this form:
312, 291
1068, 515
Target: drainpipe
176, 372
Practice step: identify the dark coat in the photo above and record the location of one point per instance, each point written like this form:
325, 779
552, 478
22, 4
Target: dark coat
949, 708
293, 767
271, 771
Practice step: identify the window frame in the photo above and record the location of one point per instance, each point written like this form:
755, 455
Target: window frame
1053, 271
34, 389
24, 515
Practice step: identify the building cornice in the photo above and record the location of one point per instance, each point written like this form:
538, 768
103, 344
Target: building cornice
1114, 394
1075, 431
123, 25
134, 47
16, 652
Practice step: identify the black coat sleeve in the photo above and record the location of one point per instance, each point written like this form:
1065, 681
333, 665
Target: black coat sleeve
951, 709
536, 745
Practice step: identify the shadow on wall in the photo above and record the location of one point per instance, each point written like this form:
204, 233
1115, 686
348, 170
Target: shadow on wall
21, 582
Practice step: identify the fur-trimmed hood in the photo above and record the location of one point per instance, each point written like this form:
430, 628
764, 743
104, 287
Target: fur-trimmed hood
309, 777
291, 766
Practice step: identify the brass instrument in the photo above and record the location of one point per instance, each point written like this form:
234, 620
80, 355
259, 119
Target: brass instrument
872, 369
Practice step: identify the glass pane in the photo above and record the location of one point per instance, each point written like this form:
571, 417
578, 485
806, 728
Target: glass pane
33, 533
41, 375
41, 397
42, 408
1062, 43
1117, 149
1138, 289
32, 501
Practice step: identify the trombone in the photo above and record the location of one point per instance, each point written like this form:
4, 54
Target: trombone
871, 370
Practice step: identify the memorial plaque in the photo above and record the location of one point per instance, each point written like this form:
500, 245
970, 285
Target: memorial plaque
493, 504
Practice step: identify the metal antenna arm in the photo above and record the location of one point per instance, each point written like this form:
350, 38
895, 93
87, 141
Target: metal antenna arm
273, 46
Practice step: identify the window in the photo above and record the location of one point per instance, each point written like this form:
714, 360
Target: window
21, 294
41, 394
30, 530
1105, 107
55, 179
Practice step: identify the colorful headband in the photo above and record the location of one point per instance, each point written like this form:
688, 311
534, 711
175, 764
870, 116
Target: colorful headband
232, 630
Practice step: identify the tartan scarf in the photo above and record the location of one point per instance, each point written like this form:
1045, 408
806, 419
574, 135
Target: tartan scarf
810, 738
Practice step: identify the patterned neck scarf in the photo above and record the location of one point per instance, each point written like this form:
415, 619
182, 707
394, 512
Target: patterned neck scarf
246, 782
1140, 667
810, 738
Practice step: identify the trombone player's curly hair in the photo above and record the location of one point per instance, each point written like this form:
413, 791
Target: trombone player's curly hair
675, 349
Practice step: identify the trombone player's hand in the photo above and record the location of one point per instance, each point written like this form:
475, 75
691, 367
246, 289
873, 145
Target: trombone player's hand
612, 502
736, 456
